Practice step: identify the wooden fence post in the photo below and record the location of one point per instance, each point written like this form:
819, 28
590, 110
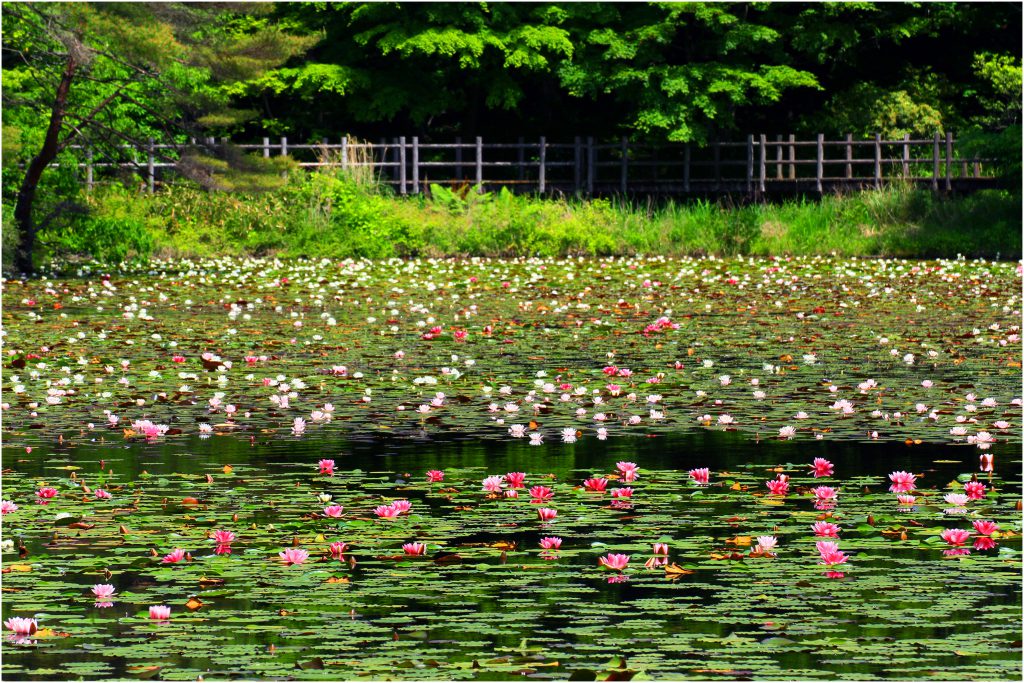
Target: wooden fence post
935, 163
344, 153
576, 165
906, 155
976, 167
458, 157
778, 156
88, 170
591, 154
520, 159
792, 157
266, 148
849, 155
750, 164
415, 164
686, 168
762, 167
401, 163
878, 160
284, 146
480, 164
625, 165
542, 171
819, 173
150, 166
949, 161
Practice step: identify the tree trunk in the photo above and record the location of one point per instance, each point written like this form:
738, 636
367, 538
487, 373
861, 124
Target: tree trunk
27, 194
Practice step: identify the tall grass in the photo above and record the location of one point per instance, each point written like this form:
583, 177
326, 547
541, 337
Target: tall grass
346, 214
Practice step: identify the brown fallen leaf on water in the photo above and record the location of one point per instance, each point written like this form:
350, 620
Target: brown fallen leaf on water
80, 525
337, 579
203, 581
228, 469
17, 568
739, 540
674, 571
189, 501
194, 603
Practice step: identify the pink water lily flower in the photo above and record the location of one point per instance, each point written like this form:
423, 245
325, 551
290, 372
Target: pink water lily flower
830, 553
777, 487
414, 548
826, 529
516, 480
8, 506
625, 492
660, 549
906, 501
540, 493
494, 483
160, 612
403, 506
338, 548
326, 467
596, 484
985, 462
223, 537
985, 527
821, 468
766, 545
293, 555
22, 626
984, 543
701, 476
46, 492
434, 476
551, 543
386, 511
333, 511
975, 490
955, 537
902, 482
101, 494
825, 493
176, 555
614, 561
546, 514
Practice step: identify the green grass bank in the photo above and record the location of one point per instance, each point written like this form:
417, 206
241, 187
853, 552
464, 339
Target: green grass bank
324, 215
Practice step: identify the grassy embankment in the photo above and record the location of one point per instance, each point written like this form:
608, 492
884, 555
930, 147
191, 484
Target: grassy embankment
323, 215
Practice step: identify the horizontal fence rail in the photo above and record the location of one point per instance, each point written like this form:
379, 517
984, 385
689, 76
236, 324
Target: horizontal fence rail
758, 166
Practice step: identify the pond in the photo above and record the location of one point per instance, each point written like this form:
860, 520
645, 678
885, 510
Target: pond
316, 467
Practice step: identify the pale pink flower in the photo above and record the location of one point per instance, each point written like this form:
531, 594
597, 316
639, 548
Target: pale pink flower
902, 482
102, 591
494, 483
787, 432
825, 493
906, 501
8, 506
414, 548
338, 549
660, 549
333, 511
293, 555
629, 470
765, 545
403, 506
386, 511
551, 543
101, 494
22, 626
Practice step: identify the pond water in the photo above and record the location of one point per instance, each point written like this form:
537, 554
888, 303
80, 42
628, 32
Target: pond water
653, 352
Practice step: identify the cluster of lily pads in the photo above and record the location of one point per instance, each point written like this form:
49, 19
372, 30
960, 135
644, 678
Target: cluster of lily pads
131, 511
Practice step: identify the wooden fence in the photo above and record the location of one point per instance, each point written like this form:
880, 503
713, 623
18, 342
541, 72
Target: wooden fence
757, 167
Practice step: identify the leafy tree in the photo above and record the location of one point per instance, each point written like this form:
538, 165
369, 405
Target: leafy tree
103, 74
